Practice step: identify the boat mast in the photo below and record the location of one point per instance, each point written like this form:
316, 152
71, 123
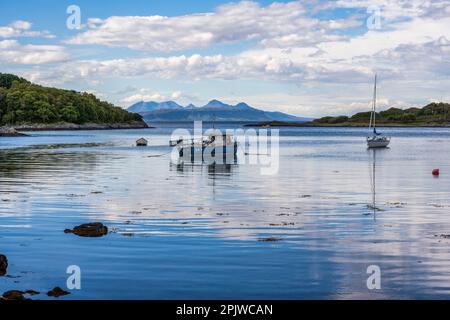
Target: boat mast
372, 122
375, 102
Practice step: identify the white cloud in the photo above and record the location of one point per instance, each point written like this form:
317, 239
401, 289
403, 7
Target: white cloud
273, 64
12, 52
300, 65
246, 20
21, 28
148, 95
394, 10
21, 25
293, 46
176, 95
416, 31
143, 97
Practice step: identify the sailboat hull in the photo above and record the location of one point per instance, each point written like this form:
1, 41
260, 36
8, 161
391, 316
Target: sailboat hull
377, 143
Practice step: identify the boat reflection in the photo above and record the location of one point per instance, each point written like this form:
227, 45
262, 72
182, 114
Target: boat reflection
373, 186
373, 205
213, 169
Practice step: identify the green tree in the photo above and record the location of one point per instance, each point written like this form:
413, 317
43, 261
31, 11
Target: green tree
69, 114
44, 112
8, 118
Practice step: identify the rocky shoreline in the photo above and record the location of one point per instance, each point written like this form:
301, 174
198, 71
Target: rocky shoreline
85, 126
10, 132
14, 131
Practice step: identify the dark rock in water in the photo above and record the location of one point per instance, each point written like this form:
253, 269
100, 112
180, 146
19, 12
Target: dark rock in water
270, 239
57, 292
10, 132
95, 229
14, 295
18, 295
3, 264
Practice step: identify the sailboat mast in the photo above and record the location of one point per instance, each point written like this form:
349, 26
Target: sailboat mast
375, 102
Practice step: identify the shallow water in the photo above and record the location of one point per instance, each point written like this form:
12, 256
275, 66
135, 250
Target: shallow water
183, 231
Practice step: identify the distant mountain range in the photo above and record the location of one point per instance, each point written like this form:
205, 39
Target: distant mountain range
212, 111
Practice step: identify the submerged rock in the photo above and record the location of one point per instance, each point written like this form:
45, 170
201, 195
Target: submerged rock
94, 229
14, 295
270, 239
57, 292
18, 295
3, 265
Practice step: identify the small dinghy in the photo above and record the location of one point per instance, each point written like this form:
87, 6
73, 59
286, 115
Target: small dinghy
141, 142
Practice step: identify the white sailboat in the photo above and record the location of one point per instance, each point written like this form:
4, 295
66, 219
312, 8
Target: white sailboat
375, 139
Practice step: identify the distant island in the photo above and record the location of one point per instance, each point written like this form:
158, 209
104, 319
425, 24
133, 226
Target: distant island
436, 114
170, 111
28, 106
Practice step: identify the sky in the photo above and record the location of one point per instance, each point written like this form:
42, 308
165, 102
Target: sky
307, 58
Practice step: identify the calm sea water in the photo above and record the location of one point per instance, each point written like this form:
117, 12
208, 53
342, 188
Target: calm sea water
194, 231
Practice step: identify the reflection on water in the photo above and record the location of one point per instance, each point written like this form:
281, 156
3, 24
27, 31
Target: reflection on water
182, 230
373, 180
213, 169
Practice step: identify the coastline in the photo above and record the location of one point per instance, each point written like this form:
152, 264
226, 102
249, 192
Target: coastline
16, 130
85, 126
343, 125
10, 132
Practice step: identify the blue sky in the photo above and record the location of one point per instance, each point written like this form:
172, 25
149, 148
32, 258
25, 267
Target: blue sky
309, 58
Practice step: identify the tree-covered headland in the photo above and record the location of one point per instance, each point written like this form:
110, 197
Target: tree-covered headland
23, 102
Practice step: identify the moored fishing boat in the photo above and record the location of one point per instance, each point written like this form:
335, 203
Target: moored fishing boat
216, 147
